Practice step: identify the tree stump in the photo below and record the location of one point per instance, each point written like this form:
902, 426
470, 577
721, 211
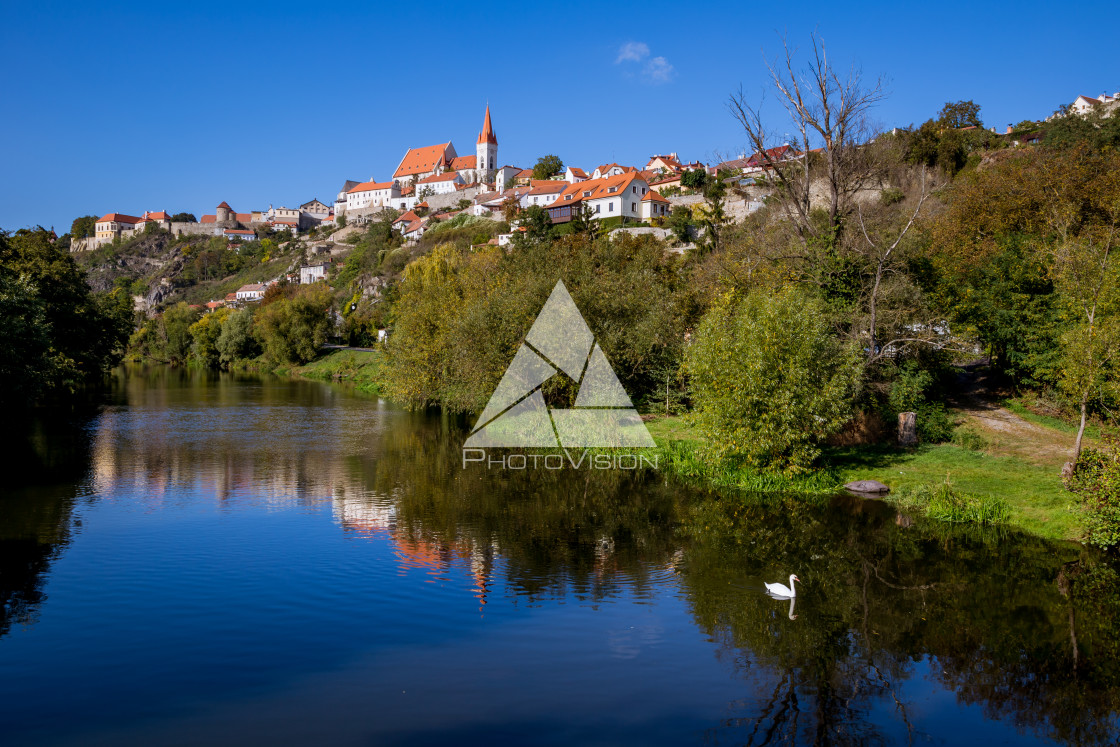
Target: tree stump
907, 428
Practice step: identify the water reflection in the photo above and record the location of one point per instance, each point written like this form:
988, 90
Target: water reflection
892, 614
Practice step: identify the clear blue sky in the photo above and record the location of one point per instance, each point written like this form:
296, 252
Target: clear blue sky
127, 107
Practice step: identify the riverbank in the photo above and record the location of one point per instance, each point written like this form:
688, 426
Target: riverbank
1031, 487
361, 367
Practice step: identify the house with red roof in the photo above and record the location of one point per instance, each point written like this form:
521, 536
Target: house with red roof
619, 195
439, 184
373, 194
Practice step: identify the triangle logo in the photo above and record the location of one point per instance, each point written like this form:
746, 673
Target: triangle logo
517, 415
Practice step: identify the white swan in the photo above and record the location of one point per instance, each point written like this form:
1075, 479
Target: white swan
783, 591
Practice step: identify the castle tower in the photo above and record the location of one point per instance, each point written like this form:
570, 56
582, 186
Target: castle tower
224, 213
486, 150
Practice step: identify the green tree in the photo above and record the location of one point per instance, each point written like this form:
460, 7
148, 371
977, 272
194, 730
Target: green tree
694, 179
205, 334
715, 216
769, 380
184, 218
958, 114
237, 341
583, 222
680, 223
293, 329
537, 224
87, 331
83, 227
547, 167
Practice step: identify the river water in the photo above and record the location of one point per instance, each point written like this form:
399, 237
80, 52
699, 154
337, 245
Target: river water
210, 559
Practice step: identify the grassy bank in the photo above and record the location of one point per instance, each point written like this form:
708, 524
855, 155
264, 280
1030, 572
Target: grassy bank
1033, 492
362, 368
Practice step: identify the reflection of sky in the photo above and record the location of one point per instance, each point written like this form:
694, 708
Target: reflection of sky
236, 578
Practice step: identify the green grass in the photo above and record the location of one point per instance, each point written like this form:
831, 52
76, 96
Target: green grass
944, 503
1048, 421
1026, 495
363, 368
1034, 494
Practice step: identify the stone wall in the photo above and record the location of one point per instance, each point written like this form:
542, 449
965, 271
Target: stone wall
451, 199
180, 228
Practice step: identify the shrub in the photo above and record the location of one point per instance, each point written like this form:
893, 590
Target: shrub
969, 439
1096, 479
293, 329
769, 380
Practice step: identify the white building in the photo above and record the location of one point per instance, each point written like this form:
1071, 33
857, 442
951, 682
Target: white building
252, 292
309, 274
372, 195
543, 193
439, 184
618, 196
504, 176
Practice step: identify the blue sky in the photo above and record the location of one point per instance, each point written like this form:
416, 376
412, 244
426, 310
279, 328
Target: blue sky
127, 107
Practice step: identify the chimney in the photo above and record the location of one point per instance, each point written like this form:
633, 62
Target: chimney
1008, 130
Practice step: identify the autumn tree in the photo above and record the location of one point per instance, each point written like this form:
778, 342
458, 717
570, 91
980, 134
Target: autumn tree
959, 114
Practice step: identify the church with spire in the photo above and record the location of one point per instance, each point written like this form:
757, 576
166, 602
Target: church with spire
439, 168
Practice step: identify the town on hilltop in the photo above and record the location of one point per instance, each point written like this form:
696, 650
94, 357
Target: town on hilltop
433, 183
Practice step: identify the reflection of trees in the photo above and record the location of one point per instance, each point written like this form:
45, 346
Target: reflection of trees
983, 613
556, 532
42, 461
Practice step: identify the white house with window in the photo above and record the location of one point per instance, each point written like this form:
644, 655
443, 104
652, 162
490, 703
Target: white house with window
440, 184
309, 274
372, 195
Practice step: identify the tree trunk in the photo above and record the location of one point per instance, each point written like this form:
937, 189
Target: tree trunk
1080, 428
907, 428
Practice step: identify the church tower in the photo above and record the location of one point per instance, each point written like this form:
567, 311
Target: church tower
486, 150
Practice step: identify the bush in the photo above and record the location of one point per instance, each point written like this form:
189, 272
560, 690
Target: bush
969, 439
1096, 479
769, 380
934, 423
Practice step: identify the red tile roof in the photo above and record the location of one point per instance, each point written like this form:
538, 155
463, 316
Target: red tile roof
577, 171
161, 215
448, 176
423, 160
370, 186
574, 194
409, 216
464, 162
654, 197
243, 217
118, 218
225, 205
548, 187
208, 219
524, 174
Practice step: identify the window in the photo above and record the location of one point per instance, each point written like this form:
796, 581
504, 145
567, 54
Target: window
633, 207
597, 208
611, 208
634, 190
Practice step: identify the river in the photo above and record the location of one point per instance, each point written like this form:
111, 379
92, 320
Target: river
207, 558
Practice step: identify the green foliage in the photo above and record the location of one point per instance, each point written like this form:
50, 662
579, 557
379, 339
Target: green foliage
537, 224
891, 196
237, 341
1093, 130
958, 114
184, 218
462, 220
694, 179
547, 167
945, 503
680, 223
83, 227
60, 334
1096, 479
205, 334
967, 438
461, 315
769, 380
292, 329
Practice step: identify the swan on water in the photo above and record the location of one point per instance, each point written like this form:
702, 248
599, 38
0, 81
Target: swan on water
781, 590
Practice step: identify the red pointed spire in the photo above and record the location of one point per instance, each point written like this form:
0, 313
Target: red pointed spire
487, 135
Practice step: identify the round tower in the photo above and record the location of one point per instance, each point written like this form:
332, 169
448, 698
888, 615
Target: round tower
486, 150
224, 213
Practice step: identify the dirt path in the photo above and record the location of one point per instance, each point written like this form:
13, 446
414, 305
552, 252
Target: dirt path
1007, 433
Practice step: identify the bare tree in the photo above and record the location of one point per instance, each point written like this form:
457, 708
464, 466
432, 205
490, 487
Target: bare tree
824, 108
